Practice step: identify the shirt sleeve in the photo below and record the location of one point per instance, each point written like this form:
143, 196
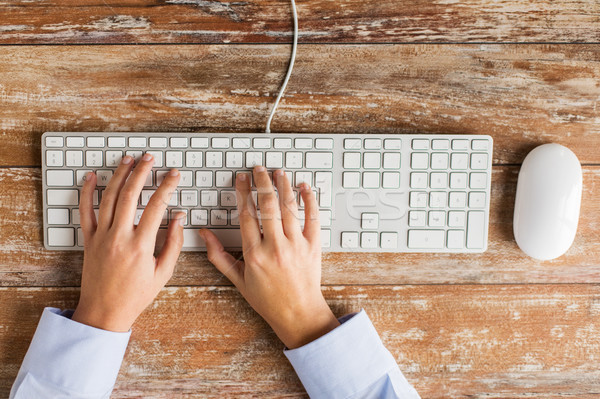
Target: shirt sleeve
350, 362
67, 359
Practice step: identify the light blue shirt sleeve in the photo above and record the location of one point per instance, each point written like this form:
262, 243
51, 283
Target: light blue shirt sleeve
350, 362
67, 359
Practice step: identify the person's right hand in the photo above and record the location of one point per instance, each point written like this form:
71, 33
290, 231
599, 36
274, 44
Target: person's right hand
280, 275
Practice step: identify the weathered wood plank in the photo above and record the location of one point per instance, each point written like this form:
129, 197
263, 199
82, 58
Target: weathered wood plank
24, 261
522, 95
199, 21
450, 341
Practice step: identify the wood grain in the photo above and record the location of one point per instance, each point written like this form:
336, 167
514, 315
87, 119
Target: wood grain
25, 262
522, 95
487, 341
208, 21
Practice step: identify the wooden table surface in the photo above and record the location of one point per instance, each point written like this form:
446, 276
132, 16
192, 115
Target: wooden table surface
492, 325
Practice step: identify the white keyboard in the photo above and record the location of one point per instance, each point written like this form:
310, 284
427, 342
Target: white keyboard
377, 193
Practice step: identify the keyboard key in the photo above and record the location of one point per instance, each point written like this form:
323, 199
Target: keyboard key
54, 141
214, 159
75, 142
80, 176
439, 160
389, 240
293, 160
145, 197
456, 239
303, 177
220, 142
179, 142
103, 177
208, 198
324, 183
457, 200
479, 161
325, 218
174, 159
418, 180
174, 213
233, 159
370, 179
417, 218
460, 144
325, 238
158, 142
189, 198
218, 217
319, 160
477, 200
391, 160
349, 239
113, 158
391, 180
426, 239
437, 199
199, 142
193, 159
61, 236
199, 217
93, 159
478, 180
228, 198
303, 144
440, 144
352, 160
58, 216
420, 144
274, 160
419, 160
173, 201
437, 219
458, 180
368, 239
392, 144
438, 180
372, 144
371, 160
261, 143
62, 197
158, 158
160, 176
456, 219
59, 178
351, 180
138, 216
418, 199
185, 179
459, 161
95, 142
137, 142
54, 158
282, 143
369, 220
480, 145
114, 142
324, 144
204, 179
224, 178
475, 229
136, 155
253, 159
241, 142
352, 144
231, 238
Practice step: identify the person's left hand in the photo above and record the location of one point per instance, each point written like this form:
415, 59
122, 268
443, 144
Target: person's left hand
121, 276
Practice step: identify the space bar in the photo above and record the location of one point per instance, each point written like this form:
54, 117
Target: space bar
230, 238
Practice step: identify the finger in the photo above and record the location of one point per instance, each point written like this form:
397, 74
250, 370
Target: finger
223, 261
249, 227
130, 193
312, 228
86, 207
270, 214
288, 204
169, 253
153, 212
110, 195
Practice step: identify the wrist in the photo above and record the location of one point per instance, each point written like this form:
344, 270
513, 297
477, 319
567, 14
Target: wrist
306, 325
99, 319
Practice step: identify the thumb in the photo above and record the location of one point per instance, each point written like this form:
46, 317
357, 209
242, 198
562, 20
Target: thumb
170, 251
223, 261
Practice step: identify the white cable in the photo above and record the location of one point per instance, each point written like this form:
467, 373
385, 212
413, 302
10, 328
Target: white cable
289, 71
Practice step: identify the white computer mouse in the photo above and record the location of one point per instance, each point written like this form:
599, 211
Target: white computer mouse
547, 201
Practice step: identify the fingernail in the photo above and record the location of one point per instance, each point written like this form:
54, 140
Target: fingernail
201, 233
126, 159
242, 177
147, 157
305, 187
279, 172
259, 168
181, 219
173, 172
88, 175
